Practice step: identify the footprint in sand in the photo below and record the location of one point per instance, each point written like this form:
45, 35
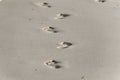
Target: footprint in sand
54, 64
63, 45
49, 29
42, 4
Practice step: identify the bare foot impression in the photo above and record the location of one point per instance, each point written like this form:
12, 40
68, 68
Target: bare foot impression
63, 45
101, 1
43, 4
61, 16
54, 64
49, 29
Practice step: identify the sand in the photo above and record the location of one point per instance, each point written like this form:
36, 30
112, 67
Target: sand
92, 27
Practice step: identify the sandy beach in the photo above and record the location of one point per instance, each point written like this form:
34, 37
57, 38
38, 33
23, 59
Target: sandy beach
59, 40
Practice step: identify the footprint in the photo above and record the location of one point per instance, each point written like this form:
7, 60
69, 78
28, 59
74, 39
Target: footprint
61, 16
49, 29
43, 4
101, 1
54, 64
63, 45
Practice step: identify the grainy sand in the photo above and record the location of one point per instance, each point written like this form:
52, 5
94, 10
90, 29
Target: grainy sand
93, 29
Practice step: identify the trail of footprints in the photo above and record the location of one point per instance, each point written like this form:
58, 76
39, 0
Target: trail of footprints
54, 64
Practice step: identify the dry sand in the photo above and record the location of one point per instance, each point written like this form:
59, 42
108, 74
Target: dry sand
92, 27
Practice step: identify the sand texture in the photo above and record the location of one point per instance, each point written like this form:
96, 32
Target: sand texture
59, 39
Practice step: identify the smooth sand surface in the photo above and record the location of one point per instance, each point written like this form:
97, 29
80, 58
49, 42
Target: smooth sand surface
92, 27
